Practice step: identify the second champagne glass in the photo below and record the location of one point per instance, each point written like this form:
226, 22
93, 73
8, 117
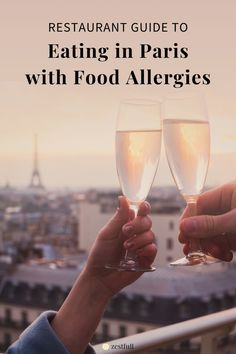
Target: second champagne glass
138, 145
187, 143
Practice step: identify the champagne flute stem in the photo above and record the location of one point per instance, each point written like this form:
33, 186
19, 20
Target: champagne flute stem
131, 256
194, 244
134, 207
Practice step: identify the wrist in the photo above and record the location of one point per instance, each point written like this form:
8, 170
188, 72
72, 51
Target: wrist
95, 287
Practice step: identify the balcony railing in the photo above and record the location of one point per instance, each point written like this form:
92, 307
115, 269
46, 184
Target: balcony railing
209, 328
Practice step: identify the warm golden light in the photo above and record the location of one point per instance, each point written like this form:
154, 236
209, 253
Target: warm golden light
75, 121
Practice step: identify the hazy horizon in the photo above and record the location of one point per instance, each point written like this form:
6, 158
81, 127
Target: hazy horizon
82, 171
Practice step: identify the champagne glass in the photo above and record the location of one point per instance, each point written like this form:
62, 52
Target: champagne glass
187, 144
138, 145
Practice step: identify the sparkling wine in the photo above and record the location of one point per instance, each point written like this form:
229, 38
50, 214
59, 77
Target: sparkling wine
187, 147
137, 157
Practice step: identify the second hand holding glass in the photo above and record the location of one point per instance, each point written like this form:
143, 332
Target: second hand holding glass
138, 145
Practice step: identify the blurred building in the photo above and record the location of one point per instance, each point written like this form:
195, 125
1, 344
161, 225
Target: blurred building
157, 299
27, 219
40, 239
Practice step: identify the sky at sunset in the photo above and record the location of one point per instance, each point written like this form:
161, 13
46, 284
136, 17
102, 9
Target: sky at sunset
76, 124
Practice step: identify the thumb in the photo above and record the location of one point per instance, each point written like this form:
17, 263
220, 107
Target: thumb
120, 218
209, 225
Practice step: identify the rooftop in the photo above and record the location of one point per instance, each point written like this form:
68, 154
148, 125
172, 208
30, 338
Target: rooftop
199, 282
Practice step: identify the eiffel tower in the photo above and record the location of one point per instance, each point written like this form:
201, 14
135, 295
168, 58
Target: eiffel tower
36, 182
